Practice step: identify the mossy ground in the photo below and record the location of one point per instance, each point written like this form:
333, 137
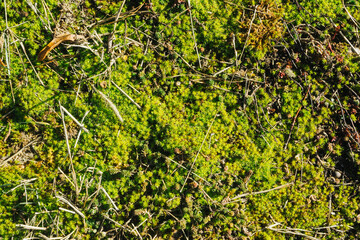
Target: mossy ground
248, 127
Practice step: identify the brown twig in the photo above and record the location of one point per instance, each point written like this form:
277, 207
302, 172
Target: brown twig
292, 231
18, 152
8, 134
238, 197
297, 114
118, 17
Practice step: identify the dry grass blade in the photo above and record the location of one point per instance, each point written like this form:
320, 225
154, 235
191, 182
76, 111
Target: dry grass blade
57, 238
63, 174
259, 192
47, 12
37, 75
193, 33
6, 41
123, 92
350, 16
125, 227
37, 12
110, 199
73, 118
186, 169
197, 154
67, 210
291, 231
78, 136
18, 152
71, 205
73, 173
112, 105
117, 17
110, 46
65, 131
28, 227
248, 34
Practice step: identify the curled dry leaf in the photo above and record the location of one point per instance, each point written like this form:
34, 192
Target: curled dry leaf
2, 41
55, 42
2, 64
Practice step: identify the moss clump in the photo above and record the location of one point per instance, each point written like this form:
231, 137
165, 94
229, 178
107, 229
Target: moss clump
246, 123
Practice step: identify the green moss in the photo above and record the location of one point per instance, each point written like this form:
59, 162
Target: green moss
174, 167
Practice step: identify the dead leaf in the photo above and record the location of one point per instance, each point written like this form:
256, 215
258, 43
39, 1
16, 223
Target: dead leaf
2, 64
55, 42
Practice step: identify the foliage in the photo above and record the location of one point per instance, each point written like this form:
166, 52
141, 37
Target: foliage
247, 123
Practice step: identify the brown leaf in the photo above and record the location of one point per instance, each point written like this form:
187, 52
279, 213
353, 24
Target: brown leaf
2, 64
54, 43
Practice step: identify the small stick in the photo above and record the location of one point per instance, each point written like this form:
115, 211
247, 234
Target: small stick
28, 227
18, 152
67, 210
186, 169
71, 205
110, 20
197, 154
345, 38
123, 92
7, 59
248, 34
297, 113
73, 118
37, 75
193, 34
66, 176
69, 152
8, 134
65, 131
110, 46
112, 105
116, 223
294, 232
111, 201
260, 192
78, 137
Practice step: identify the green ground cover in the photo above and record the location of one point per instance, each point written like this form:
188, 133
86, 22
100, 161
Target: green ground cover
180, 120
